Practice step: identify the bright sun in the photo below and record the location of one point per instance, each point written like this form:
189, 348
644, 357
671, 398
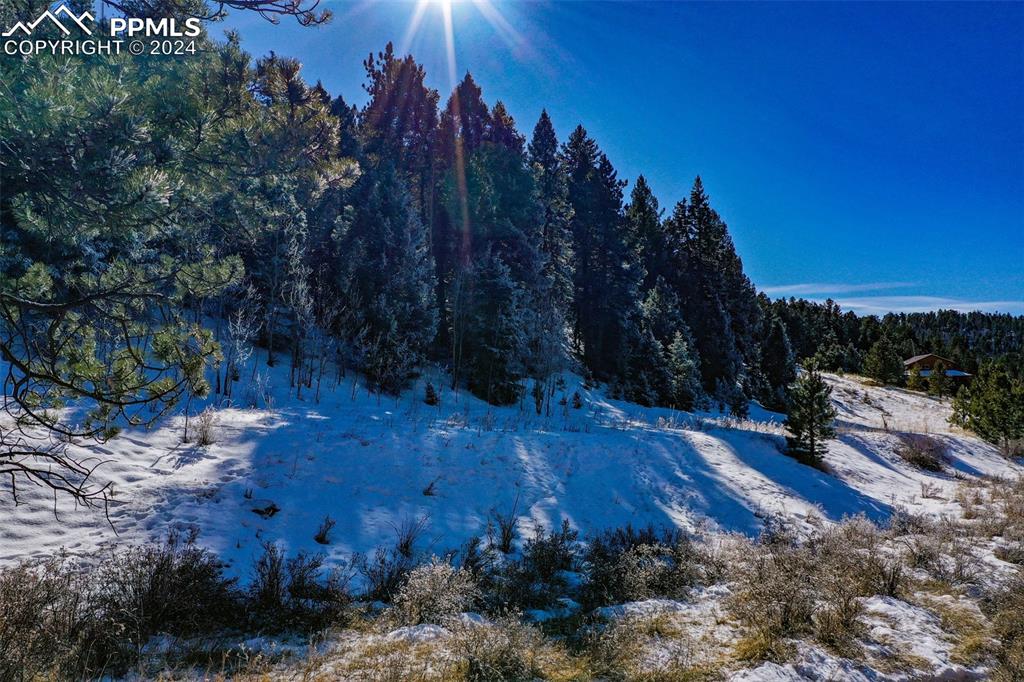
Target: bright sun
486, 8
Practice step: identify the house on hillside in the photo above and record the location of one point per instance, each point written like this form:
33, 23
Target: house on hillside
925, 363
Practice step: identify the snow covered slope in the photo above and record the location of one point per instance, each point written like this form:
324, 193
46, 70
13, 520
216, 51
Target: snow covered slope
378, 465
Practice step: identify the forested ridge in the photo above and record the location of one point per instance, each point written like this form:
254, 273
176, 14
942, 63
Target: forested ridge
164, 215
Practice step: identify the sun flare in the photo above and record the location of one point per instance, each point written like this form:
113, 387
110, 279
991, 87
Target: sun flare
487, 9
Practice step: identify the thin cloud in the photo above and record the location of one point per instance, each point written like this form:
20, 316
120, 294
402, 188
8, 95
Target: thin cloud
831, 288
880, 305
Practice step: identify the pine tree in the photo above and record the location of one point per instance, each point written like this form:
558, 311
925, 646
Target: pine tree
719, 302
100, 294
915, 380
494, 344
644, 376
604, 286
684, 369
498, 255
383, 266
556, 238
939, 383
829, 356
645, 234
810, 417
463, 125
777, 364
348, 128
502, 130
992, 406
465, 122
883, 363
398, 124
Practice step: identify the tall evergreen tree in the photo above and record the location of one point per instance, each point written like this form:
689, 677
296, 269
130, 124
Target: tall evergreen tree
684, 368
939, 383
498, 256
883, 363
604, 285
348, 128
502, 130
718, 300
777, 364
383, 269
646, 236
492, 339
461, 131
810, 419
399, 122
556, 237
993, 406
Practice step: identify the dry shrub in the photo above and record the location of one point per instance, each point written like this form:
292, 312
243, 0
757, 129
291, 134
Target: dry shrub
786, 589
944, 553
296, 593
629, 565
622, 651
509, 650
1006, 611
58, 621
922, 451
175, 588
547, 554
841, 581
539, 577
206, 423
434, 593
323, 533
383, 573
43, 621
774, 596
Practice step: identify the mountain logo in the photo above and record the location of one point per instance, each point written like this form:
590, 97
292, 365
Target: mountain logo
62, 10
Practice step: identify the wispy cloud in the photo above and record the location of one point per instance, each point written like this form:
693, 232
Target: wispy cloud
880, 305
811, 288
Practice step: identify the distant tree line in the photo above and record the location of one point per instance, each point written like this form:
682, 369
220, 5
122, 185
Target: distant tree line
843, 341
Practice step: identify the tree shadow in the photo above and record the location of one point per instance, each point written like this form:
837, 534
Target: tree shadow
833, 496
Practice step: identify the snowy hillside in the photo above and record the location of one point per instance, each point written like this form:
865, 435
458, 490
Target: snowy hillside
376, 466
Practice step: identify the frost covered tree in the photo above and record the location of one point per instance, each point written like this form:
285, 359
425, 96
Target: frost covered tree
708, 278
552, 192
555, 242
660, 364
398, 123
498, 256
811, 416
684, 370
646, 235
493, 347
777, 365
383, 267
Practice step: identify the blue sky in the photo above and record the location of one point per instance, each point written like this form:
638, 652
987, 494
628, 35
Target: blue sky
871, 152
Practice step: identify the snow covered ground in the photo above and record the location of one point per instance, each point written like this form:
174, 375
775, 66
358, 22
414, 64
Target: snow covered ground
375, 465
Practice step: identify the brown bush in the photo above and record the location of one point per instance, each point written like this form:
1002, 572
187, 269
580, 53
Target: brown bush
921, 451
